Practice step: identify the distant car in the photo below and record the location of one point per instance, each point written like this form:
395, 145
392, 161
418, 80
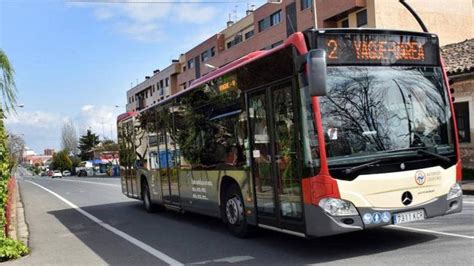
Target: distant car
66, 173
42, 174
50, 173
57, 173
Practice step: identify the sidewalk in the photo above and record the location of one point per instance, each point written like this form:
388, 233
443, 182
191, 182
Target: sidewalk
468, 187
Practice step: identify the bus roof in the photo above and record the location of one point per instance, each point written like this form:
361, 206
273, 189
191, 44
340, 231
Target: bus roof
124, 116
371, 30
296, 39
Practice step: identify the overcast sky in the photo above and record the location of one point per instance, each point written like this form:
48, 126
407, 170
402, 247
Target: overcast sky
75, 61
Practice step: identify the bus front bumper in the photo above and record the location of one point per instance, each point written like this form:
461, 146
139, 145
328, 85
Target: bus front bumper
319, 223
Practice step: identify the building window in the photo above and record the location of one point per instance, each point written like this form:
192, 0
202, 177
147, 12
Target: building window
461, 110
306, 3
237, 39
345, 23
167, 82
205, 55
263, 24
161, 83
275, 18
249, 34
213, 51
362, 18
190, 63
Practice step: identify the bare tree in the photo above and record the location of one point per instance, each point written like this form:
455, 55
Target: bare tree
16, 148
69, 140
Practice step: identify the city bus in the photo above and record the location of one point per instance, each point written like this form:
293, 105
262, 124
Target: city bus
334, 131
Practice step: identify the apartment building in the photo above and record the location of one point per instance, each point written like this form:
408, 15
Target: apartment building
155, 88
270, 24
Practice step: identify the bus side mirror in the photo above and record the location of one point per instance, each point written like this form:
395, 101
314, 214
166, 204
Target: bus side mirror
316, 60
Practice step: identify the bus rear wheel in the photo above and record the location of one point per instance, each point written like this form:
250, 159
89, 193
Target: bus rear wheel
149, 206
234, 212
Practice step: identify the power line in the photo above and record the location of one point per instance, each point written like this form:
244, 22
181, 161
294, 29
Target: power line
154, 2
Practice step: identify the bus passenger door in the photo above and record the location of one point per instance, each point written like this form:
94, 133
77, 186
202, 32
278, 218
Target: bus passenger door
274, 153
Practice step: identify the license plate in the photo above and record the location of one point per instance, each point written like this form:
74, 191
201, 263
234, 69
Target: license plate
406, 217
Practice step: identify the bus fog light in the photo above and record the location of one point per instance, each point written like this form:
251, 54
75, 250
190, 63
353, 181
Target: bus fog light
455, 191
337, 207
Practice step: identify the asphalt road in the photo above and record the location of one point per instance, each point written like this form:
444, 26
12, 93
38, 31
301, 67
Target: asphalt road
88, 221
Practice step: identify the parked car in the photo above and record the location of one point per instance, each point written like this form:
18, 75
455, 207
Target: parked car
50, 173
57, 173
66, 173
42, 174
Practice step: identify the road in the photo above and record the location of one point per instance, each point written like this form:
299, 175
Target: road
88, 221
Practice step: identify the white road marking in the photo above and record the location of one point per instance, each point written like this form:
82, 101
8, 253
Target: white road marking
233, 259
467, 202
154, 252
90, 182
431, 231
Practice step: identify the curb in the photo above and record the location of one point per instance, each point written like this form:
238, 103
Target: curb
18, 229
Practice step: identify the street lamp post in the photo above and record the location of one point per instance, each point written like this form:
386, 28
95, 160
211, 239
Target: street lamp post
315, 14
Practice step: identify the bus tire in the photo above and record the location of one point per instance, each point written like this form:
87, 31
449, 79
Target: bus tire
234, 212
149, 206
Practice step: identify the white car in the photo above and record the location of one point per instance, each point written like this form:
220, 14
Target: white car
66, 173
57, 173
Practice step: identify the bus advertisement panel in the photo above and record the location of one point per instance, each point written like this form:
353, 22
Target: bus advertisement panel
248, 143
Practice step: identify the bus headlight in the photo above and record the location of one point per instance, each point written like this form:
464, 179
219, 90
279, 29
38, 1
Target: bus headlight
337, 207
455, 191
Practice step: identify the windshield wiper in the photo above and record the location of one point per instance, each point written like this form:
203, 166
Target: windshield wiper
362, 166
423, 150
436, 155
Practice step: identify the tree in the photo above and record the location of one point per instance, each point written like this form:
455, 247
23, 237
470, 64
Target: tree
108, 145
16, 147
61, 161
86, 143
7, 84
69, 137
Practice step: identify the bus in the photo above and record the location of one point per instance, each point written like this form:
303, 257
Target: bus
334, 131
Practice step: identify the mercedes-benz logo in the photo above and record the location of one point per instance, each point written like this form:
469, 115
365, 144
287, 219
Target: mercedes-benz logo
407, 198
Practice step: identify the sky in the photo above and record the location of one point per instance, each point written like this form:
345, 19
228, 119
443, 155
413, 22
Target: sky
74, 61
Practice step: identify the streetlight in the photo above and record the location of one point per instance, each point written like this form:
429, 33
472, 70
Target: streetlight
211, 66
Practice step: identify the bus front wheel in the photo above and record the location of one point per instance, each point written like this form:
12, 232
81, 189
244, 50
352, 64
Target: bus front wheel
233, 212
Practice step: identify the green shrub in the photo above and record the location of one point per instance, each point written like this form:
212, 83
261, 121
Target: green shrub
11, 249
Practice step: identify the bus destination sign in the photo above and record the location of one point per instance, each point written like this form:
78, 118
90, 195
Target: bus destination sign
379, 49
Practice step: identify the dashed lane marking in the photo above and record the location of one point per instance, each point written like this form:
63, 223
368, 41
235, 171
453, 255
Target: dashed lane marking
150, 250
430, 231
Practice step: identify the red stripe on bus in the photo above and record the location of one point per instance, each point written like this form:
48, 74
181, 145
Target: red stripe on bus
456, 137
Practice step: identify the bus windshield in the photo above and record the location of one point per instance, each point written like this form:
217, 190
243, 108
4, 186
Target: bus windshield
372, 110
